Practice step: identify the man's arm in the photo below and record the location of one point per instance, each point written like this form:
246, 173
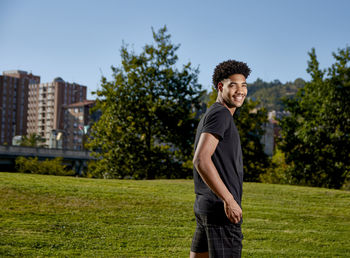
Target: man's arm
202, 161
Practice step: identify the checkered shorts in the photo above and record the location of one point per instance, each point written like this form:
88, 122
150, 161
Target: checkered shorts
218, 236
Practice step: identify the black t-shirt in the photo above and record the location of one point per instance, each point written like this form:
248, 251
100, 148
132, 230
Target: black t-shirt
227, 159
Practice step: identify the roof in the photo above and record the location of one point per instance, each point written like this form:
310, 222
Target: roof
81, 104
14, 72
58, 79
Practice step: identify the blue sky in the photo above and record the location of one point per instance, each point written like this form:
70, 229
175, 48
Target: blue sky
80, 40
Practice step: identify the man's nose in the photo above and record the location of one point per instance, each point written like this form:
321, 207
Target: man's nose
240, 89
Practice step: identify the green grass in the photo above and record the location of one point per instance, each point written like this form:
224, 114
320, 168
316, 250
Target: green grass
65, 216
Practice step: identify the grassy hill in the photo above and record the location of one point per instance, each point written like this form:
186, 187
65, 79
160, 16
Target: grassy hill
65, 216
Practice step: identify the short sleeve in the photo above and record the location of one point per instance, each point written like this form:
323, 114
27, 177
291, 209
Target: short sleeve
216, 123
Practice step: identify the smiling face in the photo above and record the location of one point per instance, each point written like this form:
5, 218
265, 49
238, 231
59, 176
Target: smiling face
233, 90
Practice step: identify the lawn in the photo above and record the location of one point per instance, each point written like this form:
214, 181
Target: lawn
66, 216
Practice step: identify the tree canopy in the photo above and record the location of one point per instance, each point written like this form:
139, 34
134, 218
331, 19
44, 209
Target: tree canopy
32, 140
315, 137
148, 119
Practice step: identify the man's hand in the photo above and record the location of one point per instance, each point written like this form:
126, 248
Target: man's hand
232, 210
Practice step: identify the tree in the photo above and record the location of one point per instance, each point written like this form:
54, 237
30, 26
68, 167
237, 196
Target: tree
250, 121
315, 137
32, 140
148, 122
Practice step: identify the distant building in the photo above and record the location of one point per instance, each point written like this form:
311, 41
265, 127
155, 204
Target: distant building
14, 87
268, 139
272, 132
77, 122
45, 108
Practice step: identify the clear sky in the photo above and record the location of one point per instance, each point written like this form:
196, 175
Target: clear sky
79, 40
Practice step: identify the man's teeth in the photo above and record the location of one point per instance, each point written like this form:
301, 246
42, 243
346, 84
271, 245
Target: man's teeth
238, 96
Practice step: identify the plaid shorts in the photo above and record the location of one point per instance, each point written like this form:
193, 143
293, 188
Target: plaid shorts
218, 236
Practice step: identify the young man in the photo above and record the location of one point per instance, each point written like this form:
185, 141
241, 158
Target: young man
218, 168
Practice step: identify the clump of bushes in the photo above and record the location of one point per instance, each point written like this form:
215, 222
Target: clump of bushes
278, 172
45, 167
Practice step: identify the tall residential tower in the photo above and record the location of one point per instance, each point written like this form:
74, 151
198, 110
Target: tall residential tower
45, 106
14, 103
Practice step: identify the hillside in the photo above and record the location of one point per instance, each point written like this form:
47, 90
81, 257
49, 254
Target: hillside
270, 93
65, 216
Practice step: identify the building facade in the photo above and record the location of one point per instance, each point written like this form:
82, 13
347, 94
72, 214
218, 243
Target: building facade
78, 119
45, 107
14, 87
272, 132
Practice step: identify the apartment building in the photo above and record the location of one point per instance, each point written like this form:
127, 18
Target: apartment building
78, 119
14, 86
45, 106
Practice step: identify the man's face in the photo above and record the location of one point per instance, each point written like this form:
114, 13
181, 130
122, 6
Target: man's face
233, 90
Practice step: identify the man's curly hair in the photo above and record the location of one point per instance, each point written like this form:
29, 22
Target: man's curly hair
226, 69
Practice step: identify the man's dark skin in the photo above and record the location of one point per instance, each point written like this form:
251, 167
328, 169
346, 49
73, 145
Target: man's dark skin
231, 93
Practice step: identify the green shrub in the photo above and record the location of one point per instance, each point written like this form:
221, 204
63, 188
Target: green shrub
94, 170
45, 167
27, 165
277, 173
346, 185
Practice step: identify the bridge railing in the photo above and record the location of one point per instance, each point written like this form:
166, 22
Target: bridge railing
12, 151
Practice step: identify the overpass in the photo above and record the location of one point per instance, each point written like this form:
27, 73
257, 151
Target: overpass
76, 159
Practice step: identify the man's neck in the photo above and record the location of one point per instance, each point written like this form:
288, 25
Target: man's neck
222, 102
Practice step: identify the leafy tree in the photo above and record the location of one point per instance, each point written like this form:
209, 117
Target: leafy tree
250, 121
315, 137
212, 97
32, 140
148, 122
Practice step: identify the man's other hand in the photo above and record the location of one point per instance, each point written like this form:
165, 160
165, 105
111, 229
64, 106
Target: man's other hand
232, 210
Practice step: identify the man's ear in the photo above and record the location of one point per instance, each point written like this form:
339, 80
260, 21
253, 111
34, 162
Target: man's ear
220, 86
